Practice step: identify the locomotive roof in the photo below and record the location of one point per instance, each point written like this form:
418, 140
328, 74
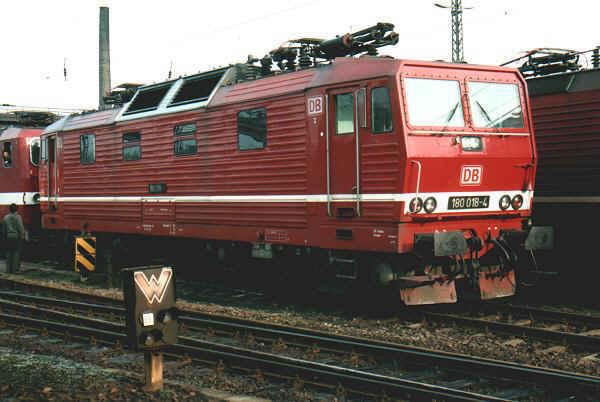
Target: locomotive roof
78, 121
160, 99
575, 81
16, 132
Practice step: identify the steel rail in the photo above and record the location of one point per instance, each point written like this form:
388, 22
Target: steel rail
358, 382
103, 325
540, 314
16, 285
591, 343
550, 378
67, 304
369, 384
535, 313
453, 361
63, 328
573, 339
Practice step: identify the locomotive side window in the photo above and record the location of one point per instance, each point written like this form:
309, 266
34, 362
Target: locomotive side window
344, 113
434, 102
87, 148
185, 129
252, 129
186, 145
7, 154
381, 110
34, 152
44, 150
132, 150
495, 105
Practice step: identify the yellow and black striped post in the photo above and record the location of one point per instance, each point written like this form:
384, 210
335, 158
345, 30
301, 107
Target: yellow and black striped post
85, 254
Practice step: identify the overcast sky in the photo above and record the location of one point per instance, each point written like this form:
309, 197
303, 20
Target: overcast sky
146, 35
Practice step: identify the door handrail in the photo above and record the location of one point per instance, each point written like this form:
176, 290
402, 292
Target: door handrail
356, 131
418, 177
55, 172
327, 164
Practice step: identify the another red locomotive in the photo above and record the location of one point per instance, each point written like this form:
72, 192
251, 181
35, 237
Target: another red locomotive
20, 146
565, 103
404, 173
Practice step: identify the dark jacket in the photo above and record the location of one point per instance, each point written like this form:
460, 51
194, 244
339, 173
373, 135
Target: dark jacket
12, 227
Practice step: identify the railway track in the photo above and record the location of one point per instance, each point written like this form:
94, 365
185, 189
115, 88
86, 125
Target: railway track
353, 382
424, 373
577, 331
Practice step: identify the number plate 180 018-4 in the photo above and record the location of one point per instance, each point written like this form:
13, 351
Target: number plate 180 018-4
471, 202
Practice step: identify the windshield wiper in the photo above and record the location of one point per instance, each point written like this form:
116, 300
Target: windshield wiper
451, 114
485, 113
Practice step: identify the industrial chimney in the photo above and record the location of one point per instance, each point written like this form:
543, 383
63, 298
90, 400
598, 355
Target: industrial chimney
104, 58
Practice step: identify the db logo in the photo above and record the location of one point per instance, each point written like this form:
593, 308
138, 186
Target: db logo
470, 175
315, 105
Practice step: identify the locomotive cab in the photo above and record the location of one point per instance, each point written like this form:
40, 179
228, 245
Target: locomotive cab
18, 173
470, 153
433, 165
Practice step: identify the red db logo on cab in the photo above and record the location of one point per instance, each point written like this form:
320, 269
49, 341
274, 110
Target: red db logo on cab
470, 175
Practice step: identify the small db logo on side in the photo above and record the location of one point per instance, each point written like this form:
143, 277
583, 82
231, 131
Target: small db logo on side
470, 175
315, 105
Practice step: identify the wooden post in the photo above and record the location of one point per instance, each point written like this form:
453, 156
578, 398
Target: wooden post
153, 370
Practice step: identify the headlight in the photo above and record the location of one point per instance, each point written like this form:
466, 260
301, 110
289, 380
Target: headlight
415, 205
504, 202
471, 143
517, 201
429, 205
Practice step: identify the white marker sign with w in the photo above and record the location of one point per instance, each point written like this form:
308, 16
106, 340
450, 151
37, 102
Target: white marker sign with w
154, 289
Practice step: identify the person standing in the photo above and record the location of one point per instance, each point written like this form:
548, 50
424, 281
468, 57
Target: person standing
14, 234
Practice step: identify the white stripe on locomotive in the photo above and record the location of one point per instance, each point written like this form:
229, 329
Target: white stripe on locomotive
441, 198
22, 198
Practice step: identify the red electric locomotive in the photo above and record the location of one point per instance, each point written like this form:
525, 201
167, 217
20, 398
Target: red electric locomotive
565, 103
20, 147
416, 175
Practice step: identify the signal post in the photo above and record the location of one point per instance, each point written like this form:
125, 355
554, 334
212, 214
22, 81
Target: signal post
151, 317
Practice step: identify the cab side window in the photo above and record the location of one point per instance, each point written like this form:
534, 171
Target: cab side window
44, 151
87, 148
381, 110
132, 150
344, 113
7, 154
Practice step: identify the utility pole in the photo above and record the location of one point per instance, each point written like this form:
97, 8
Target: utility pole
456, 10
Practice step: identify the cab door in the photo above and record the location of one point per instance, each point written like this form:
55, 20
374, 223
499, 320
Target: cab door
343, 158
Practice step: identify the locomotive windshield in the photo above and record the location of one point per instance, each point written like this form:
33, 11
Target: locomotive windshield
434, 102
495, 105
